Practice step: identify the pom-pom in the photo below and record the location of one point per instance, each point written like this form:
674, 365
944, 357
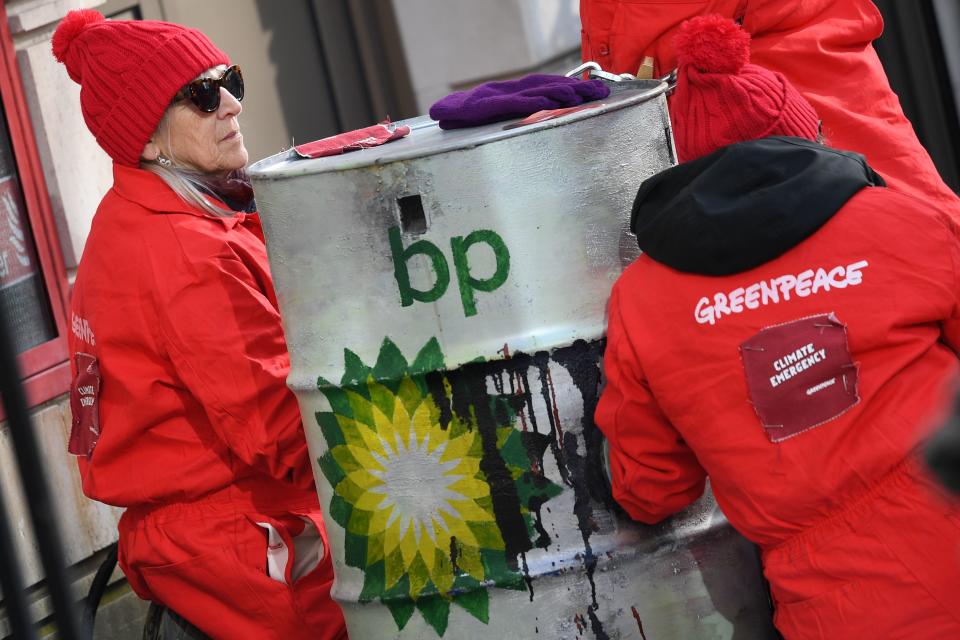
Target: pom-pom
72, 26
712, 44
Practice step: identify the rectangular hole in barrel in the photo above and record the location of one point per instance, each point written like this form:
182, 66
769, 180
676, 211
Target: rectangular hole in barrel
413, 219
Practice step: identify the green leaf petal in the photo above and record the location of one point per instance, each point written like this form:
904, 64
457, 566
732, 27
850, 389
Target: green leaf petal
382, 397
360, 407
400, 591
429, 359
495, 567
355, 372
359, 522
330, 428
487, 534
476, 602
436, 611
331, 470
513, 452
401, 612
338, 400
412, 395
355, 552
345, 460
374, 583
340, 511
391, 365
533, 490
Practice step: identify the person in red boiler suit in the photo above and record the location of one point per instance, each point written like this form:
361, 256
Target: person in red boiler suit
789, 331
824, 49
181, 412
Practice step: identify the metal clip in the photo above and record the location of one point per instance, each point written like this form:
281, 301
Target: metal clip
671, 80
595, 71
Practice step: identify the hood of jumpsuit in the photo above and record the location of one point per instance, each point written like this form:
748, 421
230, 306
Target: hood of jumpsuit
745, 204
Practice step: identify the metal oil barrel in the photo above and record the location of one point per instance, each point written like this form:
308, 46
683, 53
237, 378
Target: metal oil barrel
444, 299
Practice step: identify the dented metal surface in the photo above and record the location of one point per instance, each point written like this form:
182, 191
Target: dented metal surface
444, 304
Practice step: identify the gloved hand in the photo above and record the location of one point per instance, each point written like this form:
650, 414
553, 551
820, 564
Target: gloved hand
496, 101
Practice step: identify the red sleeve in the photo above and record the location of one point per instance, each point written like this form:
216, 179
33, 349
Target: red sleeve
225, 341
825, 49
654, 472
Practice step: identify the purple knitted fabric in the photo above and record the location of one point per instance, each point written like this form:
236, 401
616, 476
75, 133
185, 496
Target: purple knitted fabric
496, 101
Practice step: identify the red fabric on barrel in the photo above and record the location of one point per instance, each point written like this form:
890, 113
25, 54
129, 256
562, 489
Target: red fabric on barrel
352, 141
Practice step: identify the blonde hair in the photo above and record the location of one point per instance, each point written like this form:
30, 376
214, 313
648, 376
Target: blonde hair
187, 185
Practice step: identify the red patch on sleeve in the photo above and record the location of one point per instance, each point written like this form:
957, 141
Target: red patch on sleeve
800, 375
85, 405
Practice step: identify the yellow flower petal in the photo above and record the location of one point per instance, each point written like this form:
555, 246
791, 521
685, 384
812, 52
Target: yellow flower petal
370, 501
457, 448
418, 577
349, 428
364, 479
468, 560
470, 510
459, 529
422, 423
394, 569
363, 457
426, 547
374, 549
442, 572
410, 394
408, 545
470, 487
392, 537
374, 440
381, 396
378, 523
360, 406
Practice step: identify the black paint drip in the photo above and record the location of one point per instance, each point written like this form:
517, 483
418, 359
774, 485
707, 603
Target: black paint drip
595, 624
542, 363
454, 554
438, 392
582, 508
581, 361
536, 445
586, 472
526, 575
470, 401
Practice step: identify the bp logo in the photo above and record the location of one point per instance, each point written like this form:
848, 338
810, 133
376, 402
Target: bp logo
411, 461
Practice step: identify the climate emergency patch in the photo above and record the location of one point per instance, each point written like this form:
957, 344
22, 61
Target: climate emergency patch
800, 375
85, 405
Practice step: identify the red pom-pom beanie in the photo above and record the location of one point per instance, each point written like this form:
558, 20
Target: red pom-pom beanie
128, 72
722, 99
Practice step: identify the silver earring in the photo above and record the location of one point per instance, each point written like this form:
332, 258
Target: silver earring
163, 161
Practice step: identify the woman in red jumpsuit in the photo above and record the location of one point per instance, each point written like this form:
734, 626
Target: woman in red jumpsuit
181, 413
789, 331
822, 46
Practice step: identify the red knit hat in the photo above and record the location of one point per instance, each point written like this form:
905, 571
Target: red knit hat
722, 99
128, 72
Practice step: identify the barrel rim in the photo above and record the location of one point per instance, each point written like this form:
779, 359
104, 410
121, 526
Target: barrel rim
287, 165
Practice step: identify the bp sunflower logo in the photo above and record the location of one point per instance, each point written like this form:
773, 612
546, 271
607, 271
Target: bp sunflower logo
404, 461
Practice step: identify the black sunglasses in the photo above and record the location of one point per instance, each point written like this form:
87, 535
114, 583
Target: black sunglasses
205, 92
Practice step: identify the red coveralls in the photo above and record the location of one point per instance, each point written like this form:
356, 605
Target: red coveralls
857, 543
822, 46
199, 437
